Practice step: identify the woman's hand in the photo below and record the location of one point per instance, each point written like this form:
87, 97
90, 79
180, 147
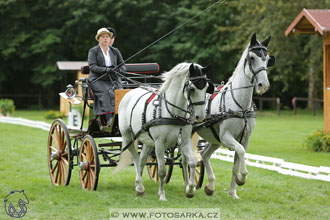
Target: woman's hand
110, 71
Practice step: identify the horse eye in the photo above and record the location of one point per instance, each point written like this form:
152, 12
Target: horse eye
192, 89
251, 58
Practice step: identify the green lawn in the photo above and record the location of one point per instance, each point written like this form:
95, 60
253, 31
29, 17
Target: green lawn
267, 194
283, 137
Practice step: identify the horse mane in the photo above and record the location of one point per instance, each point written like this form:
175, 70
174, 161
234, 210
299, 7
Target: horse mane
240, 63
177, 71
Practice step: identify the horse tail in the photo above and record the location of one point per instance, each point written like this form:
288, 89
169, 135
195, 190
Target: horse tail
125, 159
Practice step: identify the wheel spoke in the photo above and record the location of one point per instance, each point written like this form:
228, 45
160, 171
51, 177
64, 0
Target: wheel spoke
56, 178
84, 176
88, 151
56, 142
53, 148
91, 181
63, 173
84, 156
62, 140
154, 169
88, 180
64, 144
65, 169
65, 160
52, 170
83, 182
92, 174
92, 156
58, 137
157, 174
60, 173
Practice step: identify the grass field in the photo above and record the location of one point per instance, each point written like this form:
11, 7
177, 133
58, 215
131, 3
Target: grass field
266, 195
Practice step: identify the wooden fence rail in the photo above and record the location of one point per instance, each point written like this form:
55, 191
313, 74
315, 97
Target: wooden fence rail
296, 99
269, 99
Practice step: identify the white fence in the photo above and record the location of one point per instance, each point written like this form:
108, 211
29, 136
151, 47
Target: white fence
278, 165
269, 163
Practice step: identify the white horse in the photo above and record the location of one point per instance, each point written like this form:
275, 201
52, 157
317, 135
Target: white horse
231, 116
163, 119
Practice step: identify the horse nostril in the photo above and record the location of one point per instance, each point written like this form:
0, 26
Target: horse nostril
197, 117
260, 85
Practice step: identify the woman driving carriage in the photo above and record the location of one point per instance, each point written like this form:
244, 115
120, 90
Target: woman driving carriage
104, 59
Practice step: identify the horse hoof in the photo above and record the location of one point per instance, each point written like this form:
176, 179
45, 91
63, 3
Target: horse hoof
238, 182
189, 195
234, 195
208, 191
139, 193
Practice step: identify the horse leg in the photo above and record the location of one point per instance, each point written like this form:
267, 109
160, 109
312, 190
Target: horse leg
139, 189
239, 171
232, 190
206, 155
192, 162
185, 170
160, 153
143, 160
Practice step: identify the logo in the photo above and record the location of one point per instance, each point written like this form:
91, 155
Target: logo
15, 204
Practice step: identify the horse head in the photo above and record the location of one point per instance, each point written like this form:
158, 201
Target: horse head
196, 86
257, 60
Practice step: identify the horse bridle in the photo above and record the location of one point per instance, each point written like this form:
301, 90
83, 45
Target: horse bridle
190, 107
263, 57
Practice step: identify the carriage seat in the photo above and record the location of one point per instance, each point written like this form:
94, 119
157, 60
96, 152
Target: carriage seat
142, 68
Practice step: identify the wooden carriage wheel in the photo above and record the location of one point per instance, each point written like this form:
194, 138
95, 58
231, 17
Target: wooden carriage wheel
59, 153
89, 165
199, 174
153, 169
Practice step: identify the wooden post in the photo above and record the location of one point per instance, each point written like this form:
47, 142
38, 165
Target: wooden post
326, 81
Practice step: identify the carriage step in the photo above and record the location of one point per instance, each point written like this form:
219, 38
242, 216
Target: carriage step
110, 144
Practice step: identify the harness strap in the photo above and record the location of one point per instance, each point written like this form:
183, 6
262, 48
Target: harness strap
215, 133
232, 94
243, 131
155, 122
215, 118
131, 116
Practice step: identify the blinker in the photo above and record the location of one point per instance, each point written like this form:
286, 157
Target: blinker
271, 61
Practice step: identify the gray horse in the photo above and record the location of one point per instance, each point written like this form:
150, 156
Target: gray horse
165, 122
231, 116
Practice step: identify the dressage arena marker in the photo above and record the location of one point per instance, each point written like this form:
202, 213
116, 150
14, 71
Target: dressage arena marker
268, 163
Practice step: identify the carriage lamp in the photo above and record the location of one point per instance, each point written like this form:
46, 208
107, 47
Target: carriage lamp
70, 91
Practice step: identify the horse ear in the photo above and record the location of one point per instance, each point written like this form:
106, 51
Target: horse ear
191, 69
254, 39
266, 42
206, 69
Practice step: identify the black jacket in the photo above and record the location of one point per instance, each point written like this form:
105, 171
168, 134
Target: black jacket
96, 62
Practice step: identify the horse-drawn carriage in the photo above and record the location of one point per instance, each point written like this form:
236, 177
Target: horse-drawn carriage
99, 145
180, 104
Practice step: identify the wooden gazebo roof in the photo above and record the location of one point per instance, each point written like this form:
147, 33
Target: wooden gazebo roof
310, 21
